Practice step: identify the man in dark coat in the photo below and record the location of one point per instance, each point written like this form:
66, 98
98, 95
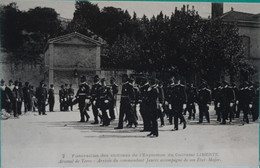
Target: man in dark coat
51, 98
70, 97
41, 95
11, 100
112, 104
27, 97
62, 96
191, 99
4, 97
204, 100
83, 98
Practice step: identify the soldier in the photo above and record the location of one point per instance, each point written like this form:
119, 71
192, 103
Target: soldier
227, 102
70, 97
27, 97
235, 106
105, 99
66, 98
83, 99
127, 103
136, 92
216, 95
62, 96
143, 100
169, 99
255, 108
204, 102
51, 98
95, 99
17, 99
178, 102
19, 103
112, 104
11, 100
191, 99
41, 95
153, 106
161, 102
4, 96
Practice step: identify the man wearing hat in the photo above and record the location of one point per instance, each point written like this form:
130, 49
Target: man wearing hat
19, 104
17, 99
95, 98
153, 106
51, 98
66, 98
227, 102
83, 97
70, 97
105, 99
62, 96
178, 102
41, 95
204, 100
10, 100
216, 96
127, 103
112, 104
255, 108
4, 96
27, 97
191, 99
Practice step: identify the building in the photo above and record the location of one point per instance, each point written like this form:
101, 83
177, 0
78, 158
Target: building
69, 56
249, 29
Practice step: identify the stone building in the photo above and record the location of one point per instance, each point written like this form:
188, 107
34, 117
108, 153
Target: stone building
69, 56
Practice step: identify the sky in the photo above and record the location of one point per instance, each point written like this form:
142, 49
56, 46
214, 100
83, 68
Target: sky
66, 7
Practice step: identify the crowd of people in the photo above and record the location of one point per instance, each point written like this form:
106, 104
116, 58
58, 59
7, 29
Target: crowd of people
156, 99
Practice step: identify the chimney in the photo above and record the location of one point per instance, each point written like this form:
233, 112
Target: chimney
216, 10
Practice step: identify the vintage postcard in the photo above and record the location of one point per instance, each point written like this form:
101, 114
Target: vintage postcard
129, 84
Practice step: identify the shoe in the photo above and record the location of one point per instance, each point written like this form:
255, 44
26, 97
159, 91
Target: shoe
184, 125
136, 124
96, 122
87, 118
81, 121
118, 128
153, 136
150, 134
145, 131
162, 125
44, 114
175, 129
189, 117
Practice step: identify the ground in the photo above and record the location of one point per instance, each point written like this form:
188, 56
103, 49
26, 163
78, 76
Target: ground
59, 140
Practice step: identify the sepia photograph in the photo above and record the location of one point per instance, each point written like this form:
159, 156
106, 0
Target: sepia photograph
129, 84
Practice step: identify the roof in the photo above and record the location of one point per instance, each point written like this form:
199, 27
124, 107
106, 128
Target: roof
241, 16
71, 35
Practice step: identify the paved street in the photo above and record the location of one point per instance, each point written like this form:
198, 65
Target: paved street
59, 140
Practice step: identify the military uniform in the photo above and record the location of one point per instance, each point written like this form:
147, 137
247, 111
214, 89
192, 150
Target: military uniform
66, 98
112, 104
105, 99
216, 94
247, 100
70, 97
143, 100
95, 100
161, 102
255, 107
41, 95
27, 98
19, 103
178, 99
83, 99
204, 102
51, 98
191, 99
169, 99
62, 96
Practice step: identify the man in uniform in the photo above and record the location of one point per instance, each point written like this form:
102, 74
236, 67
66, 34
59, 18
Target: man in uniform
136, 92
127, 103
161, 102
255, 108
51, 98
178, 102
216, 95
153, 106
95, 99
11, 100
204, 100
105, 99
70, 97
227, 102
112, 104
41, 95
191, 99
83, 99
169, 99
27, 97
19, 103
62, 98
4, 96
66, 98
144, 105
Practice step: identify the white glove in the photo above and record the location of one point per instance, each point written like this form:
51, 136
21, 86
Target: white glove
106, 101
87, 101
218, 105
65, 99
61, 99
166, 103
94, 102
208, 105
170, 106
231, 104
250, 105
184, 106
237, 101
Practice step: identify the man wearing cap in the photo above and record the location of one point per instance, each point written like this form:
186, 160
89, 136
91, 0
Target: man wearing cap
62, 96
127, 103
112, 104
227, 102
17, 99
255, 108
27, 97
216, 96
83, 98
153, 106
11, 100
51, 98
105, 99
204, 100
70, 97
178, 102
19, 104
169, 99
191, 99
95, 98
41, 95
4, 96
66, 98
